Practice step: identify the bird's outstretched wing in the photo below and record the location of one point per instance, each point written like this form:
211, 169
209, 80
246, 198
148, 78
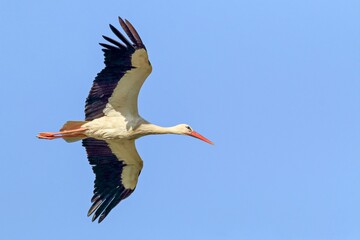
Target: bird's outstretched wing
115, 89
116, 165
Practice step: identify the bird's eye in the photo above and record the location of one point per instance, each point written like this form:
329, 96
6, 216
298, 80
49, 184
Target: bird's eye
188, 127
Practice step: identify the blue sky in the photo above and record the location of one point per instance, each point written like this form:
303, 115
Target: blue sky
275, 84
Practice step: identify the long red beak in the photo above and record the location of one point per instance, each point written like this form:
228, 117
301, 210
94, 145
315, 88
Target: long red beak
199, 136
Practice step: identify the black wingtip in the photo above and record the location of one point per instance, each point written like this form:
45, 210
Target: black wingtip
120, 19
131, 33
112, 27
122, 22
116, 43
120, 36
95, 198
94, 207
109, 47
101, 218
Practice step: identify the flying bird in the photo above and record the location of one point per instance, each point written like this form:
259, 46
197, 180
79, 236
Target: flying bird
112, 122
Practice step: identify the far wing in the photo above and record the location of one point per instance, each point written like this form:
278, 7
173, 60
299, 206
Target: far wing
116, 165
115, 89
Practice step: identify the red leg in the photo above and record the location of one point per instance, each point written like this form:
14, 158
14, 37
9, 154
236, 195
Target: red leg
61, 134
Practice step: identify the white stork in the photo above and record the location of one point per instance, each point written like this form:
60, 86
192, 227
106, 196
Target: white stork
112, 122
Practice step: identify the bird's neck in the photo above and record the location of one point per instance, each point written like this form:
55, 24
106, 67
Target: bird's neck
148, 129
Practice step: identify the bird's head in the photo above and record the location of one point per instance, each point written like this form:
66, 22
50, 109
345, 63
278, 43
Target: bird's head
185, 129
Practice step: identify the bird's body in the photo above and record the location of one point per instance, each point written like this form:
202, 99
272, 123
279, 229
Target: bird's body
112, 122
116, 127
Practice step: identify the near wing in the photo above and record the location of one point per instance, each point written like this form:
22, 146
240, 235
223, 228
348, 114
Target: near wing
117, 166
116, 87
